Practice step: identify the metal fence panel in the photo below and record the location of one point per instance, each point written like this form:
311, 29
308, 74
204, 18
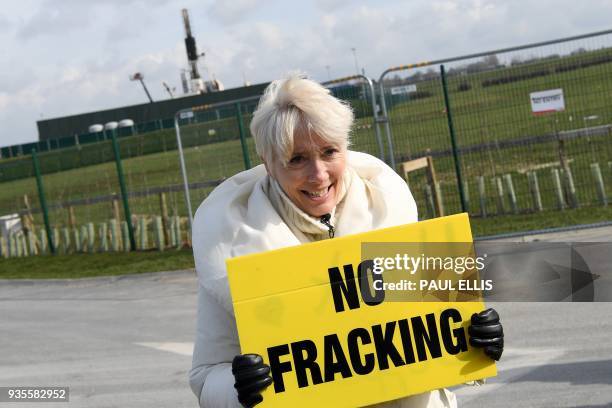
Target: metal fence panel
502, 143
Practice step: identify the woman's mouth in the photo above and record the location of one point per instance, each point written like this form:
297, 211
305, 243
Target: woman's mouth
317, 195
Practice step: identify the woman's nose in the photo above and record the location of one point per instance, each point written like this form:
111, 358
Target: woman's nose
317, 171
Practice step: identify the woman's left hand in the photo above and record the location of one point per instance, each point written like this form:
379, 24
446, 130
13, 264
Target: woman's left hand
486, 331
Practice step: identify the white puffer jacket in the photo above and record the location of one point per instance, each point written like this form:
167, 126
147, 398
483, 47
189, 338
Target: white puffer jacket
238, 218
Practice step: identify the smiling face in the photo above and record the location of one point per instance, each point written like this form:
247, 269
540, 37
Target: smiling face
312, 177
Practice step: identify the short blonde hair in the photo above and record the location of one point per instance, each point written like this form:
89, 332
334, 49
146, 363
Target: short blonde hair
293, 105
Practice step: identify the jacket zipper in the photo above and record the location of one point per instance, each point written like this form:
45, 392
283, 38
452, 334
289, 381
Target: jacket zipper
325, 221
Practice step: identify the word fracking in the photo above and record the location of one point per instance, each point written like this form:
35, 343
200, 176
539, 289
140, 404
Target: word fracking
365, 350
340, 362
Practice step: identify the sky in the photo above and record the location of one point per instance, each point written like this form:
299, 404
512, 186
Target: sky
64, 57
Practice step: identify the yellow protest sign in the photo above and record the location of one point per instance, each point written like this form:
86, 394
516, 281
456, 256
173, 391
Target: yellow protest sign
330, 343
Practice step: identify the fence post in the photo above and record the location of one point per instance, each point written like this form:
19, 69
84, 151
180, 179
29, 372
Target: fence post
482, 196
77, 240
114, 230
3, 251
499, 188
243, 143
179, 239
381, 152
43, 201
125, 235
164, 214
511, 193
534, 187
32, 243
438, 195
91, 234
179, 145
56, 239
84, 238
173, 240
466, 191
124, 196
142, 227
571, 188
385, 120
21, 244
599, 184
43, 243
431, 212
103, 231
66, 240
159, 233
451, 131
558, 188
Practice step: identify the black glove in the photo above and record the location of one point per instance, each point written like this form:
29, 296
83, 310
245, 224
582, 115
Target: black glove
252, 377
487, 331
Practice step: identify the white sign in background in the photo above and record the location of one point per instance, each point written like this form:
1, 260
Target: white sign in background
186, 115
8, 224
547, 101
404, 89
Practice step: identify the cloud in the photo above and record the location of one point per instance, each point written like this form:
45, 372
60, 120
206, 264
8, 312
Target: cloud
232, 12
55, 18
332, 5
5, 24
73, 56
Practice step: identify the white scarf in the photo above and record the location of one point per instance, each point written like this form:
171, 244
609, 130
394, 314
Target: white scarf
239, 218
305, 227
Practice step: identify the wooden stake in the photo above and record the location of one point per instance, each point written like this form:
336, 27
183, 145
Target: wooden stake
125, 236
599, 184
77, 240
439, 200
498, 186
84, 238
163, 205
534, 188
3, 249
71, 217
511, 193
179, 237
103, 232
558, 188
466, 194
43, 242
116, 213
27, 218
91, 235
114, 233
142, 227
482, 196
159, 234
66, 240
431, 211
571, 188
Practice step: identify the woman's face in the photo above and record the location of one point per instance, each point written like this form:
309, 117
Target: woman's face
313, 175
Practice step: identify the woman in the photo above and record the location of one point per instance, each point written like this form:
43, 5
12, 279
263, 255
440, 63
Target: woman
310, 188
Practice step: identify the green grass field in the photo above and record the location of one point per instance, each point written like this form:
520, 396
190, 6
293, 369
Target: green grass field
89, 265
492, 114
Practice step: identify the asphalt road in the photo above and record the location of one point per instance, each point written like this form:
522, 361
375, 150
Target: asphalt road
127, 342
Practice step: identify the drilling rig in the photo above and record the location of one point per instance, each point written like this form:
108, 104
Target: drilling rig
197, 84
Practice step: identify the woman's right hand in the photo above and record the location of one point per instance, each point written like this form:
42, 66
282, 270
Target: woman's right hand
252, 377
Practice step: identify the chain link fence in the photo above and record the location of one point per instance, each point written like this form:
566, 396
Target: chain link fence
510, 159
461, 130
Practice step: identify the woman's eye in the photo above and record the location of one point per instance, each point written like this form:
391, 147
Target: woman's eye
296, 159
330, 152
